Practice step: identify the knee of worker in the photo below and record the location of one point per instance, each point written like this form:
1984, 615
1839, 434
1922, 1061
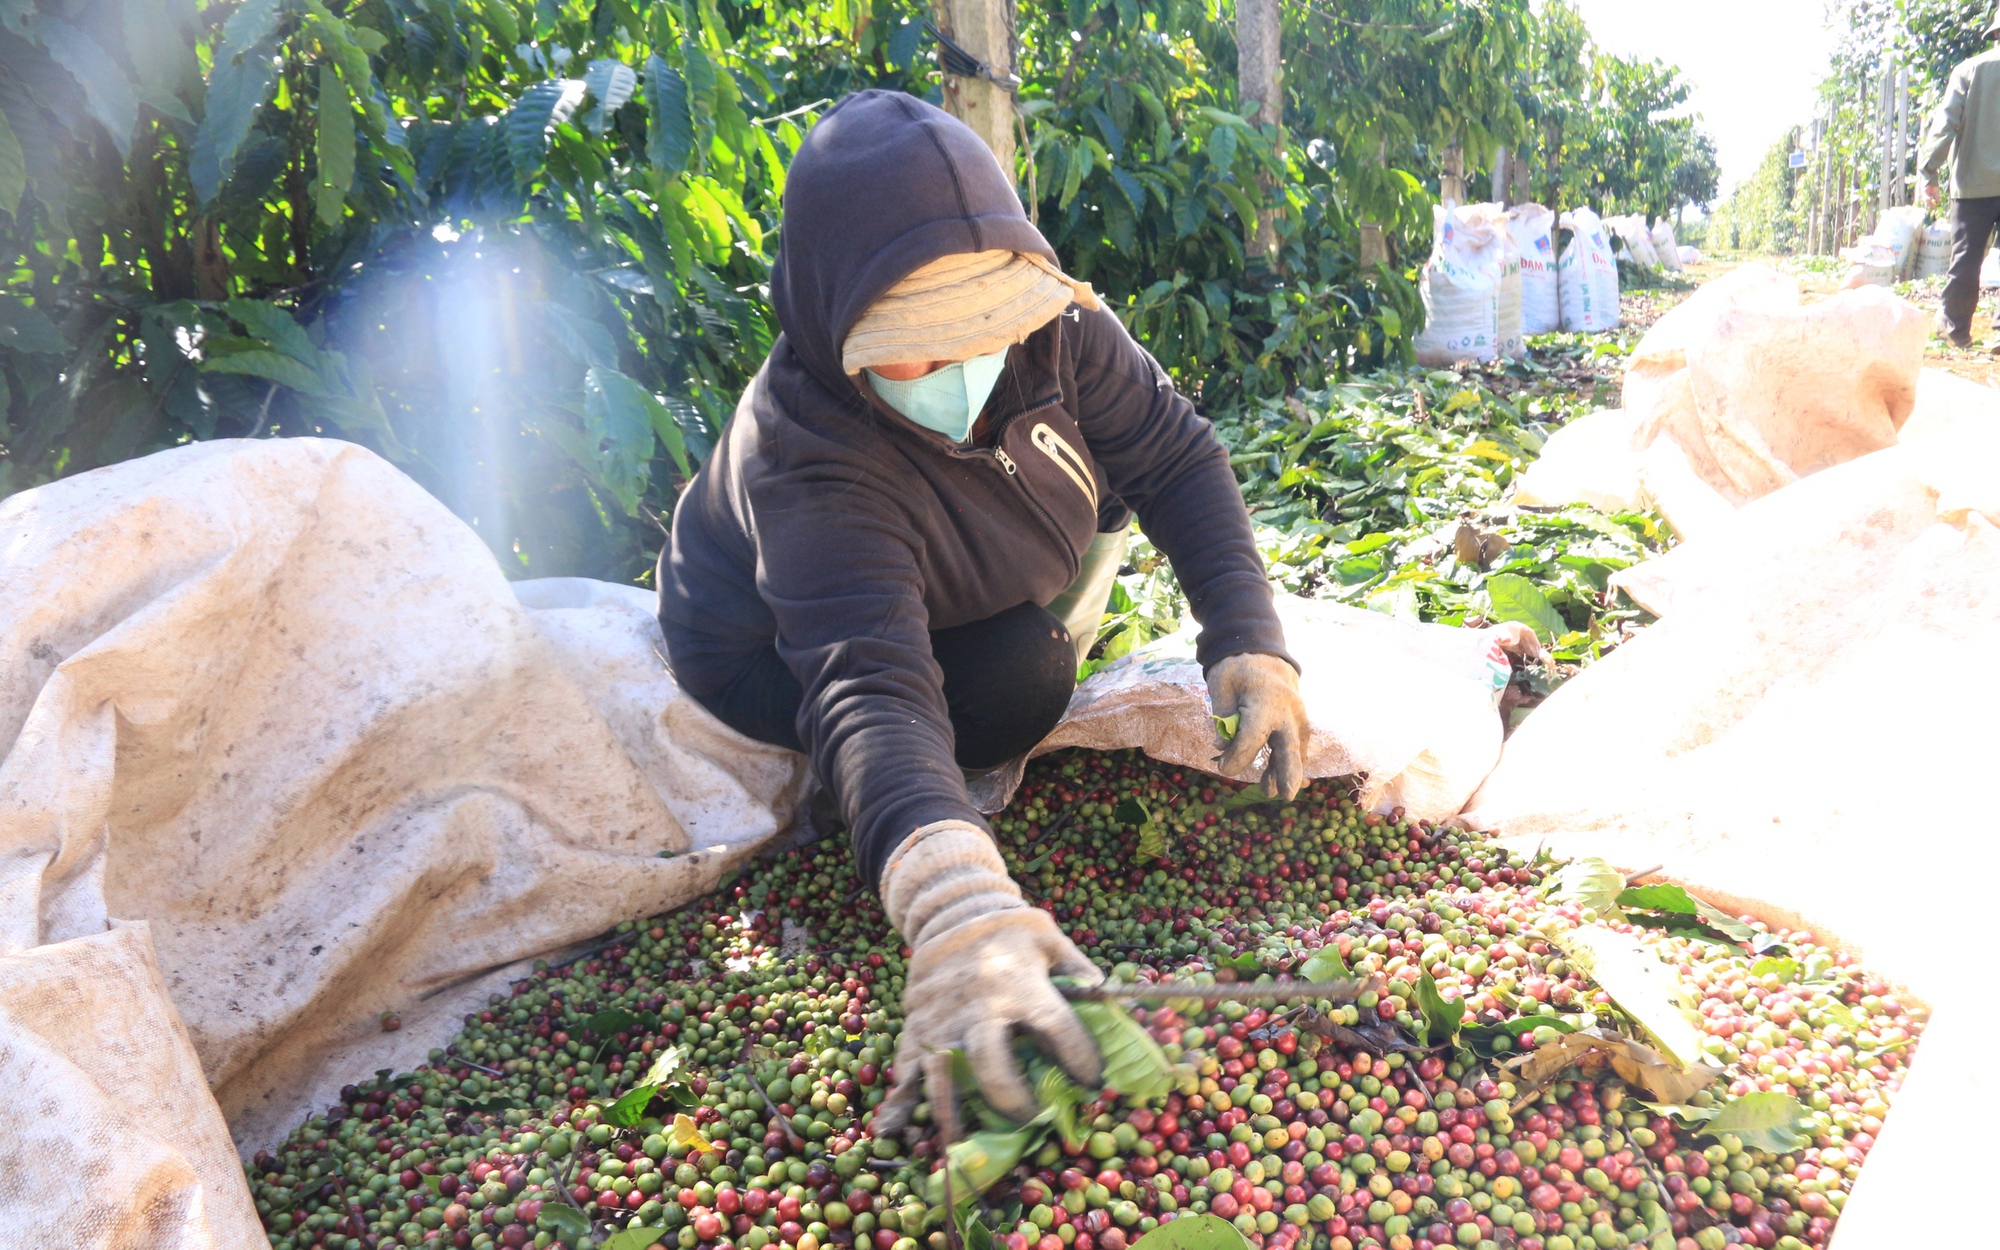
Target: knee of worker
1007, 682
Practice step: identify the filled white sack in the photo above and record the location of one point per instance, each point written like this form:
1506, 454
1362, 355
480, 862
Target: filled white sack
1902, 228
1533, 228
1666, 246
1760, 390
1631, 231
1588, 461
1587, 275
1471, 288
275, 700
1414, 707
1934, 251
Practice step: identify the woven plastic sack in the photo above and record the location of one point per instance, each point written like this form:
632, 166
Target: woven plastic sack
1666, 246
1760, 390
1873, 261
1413, 707
275, 700
1902, 230
1587, 275
1638, 240
1471, 289
1588, 461
1934, 252
1533, 228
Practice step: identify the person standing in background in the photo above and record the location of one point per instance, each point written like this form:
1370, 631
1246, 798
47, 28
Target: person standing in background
1965, 132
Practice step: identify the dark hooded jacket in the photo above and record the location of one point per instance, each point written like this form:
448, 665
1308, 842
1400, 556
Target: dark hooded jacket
829, 526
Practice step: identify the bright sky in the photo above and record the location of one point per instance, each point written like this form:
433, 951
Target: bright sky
1753, 63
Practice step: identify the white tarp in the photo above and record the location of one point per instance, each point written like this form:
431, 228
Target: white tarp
275, 701
1413, 706
1806, 736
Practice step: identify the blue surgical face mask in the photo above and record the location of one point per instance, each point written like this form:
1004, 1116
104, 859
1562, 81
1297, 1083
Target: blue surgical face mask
948, 400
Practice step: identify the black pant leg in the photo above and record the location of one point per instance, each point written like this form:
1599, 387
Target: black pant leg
1972, 224
1007, 682
762, 702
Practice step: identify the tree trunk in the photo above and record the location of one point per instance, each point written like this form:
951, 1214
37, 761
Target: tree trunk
1258, 83
985, 28
1451, 187
1502, 160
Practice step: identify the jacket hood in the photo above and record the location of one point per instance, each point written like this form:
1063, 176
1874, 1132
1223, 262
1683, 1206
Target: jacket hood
882, 185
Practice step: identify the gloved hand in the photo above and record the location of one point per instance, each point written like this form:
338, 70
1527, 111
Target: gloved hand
979, 972
1264, 691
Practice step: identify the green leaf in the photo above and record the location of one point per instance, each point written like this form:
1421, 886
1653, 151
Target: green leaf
104, 84
612, 1020
1077, 161
978, 1162
1515, 598
584, 338
238, 85
272, 367
1194, 1232
1325, 964
1643, 988
631, 1108
634, 1239
1589, 882
1682, 1111
1776, 1123
274, 327
610, 83
540, 110
1134, 1064
1439, 1019
333, 146
1228, 725
1247, 963
13, 168
558, 1217
1675, 899
25, 328
1786, 970
1131, 812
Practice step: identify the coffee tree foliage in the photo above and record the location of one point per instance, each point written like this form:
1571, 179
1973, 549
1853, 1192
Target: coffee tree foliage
520, 247
1773, 209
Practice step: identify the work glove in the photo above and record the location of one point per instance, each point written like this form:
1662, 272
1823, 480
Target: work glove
1263, 691
978, 974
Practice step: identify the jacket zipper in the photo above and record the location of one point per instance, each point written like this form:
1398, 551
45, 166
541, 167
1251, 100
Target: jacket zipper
1006, 463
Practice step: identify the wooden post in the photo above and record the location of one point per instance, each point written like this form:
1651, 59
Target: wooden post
985, 28
1501, 159
1518, 163
1259, 82
1451, 187
1902, 154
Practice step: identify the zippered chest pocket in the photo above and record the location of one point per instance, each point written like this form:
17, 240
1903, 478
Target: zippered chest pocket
1045, 452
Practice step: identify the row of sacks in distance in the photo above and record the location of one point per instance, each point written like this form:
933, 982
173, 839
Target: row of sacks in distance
1905, 245
1494, 277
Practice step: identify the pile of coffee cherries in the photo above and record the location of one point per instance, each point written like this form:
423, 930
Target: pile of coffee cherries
1309, 1126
